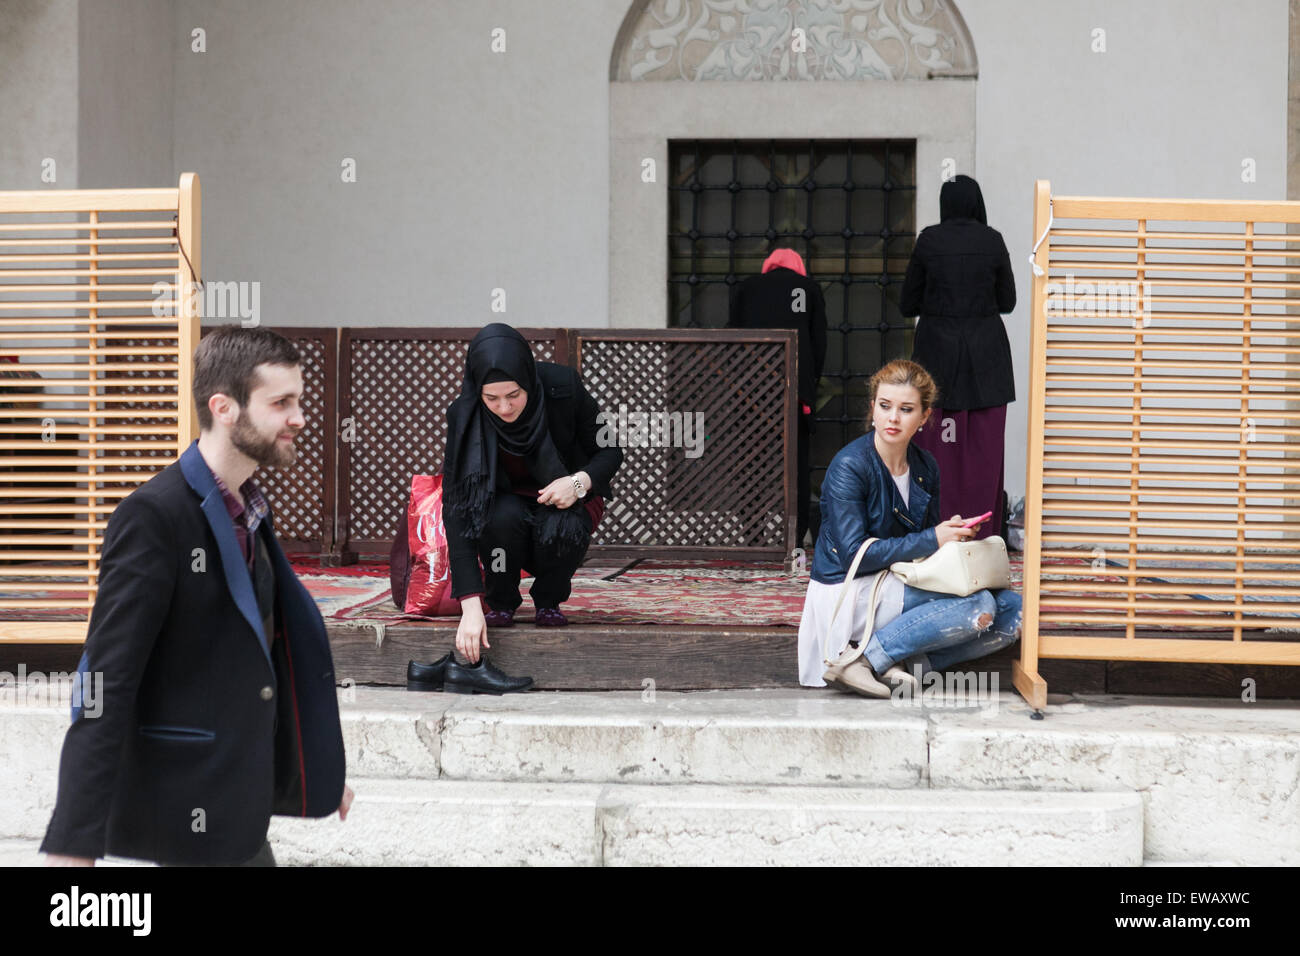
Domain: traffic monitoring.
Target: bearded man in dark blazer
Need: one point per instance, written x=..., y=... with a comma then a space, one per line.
x=219, y=706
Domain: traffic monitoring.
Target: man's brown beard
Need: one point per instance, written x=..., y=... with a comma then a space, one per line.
x=267, y=454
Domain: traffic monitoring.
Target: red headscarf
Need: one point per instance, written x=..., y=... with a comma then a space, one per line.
x=785, y=259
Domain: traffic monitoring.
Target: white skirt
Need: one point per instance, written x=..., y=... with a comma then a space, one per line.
x=821, y=640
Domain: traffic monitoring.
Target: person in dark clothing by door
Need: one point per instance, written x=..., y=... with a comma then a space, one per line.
x=783, y=297
x=959, y=282
x=525, y=479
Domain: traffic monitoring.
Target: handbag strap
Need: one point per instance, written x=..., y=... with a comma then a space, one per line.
x=844, y=590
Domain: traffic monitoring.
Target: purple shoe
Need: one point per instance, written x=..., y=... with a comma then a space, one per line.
x=550, y=617
x=499, y=618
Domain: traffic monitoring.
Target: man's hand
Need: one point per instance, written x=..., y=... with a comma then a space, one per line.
x=347, y=802
x=56, y=859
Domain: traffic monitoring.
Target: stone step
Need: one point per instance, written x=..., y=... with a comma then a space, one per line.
x=453, y=822
x=20, y=853
x=27, y=853
x=1218, y=781
x=720, y=737
x=471, y=823
x=30, y=745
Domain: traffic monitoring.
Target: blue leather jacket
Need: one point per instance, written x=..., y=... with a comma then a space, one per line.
x=859, y=500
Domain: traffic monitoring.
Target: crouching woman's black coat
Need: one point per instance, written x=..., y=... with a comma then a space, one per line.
x=571, y=415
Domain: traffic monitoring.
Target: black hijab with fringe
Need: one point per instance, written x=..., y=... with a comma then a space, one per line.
x=474, y=433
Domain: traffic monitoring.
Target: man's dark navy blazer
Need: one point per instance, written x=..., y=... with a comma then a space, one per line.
x=205, y=728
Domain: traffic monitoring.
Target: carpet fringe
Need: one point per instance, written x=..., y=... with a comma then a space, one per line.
x=377, y=626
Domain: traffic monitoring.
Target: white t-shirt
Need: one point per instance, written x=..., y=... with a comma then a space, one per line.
x=891, y=590
x=817, y=626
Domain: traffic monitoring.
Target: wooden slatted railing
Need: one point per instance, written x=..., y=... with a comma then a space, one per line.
x=97, y=336
x=1160, y=511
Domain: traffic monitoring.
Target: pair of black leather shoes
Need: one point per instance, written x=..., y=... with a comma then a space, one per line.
x=447, y=675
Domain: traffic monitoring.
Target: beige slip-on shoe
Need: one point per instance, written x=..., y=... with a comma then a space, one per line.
x=850, y=672
x=898, y=675
x=846, y=660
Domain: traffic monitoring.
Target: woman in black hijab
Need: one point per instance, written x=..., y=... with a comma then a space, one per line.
x=959, y=281
x=524, y=483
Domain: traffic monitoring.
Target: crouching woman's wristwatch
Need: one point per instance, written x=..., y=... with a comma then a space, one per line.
x=577, y=484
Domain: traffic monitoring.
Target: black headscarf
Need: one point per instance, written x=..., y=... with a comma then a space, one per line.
x=960, y=198
x=474, y=433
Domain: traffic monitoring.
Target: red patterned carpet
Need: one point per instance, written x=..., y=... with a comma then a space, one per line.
x=725, y=593
x=648, y=592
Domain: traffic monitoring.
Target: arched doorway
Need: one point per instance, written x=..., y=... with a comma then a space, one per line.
x=826, y=127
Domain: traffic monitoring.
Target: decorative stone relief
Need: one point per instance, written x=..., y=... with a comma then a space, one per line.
x=792, y=40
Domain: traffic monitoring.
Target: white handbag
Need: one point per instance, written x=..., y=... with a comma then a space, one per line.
x=959, y=568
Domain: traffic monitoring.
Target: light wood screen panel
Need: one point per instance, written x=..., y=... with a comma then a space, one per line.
x=96, y=351
x=1161, y=505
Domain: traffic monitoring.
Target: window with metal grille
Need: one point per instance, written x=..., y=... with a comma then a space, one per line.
x=847, y=206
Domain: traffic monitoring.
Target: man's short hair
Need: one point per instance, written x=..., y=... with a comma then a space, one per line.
x=226, y=361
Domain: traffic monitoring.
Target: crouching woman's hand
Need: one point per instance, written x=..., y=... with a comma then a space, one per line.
x=472, y=632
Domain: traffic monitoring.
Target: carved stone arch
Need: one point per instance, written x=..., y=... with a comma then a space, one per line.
x=700, y=40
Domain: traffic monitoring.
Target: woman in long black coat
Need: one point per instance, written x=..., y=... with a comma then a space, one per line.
x=959, y=282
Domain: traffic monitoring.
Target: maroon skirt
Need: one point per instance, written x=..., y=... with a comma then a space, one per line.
x=971, y=462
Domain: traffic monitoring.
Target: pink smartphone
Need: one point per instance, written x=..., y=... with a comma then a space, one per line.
x=974, y=521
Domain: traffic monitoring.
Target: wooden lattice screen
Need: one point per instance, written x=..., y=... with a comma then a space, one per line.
x=374, y=402
x=1162, y=470
x=96, y=348
x=302, y=495
x=737, y=497
x=395, y=386
x=733, y=499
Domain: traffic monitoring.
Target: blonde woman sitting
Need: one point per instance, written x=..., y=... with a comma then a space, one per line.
x=883, y=486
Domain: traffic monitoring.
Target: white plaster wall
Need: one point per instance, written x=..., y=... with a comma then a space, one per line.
x=479, y=171
x=475, y=170
x=1185, y=90
x=38, y=92
x=125, y=94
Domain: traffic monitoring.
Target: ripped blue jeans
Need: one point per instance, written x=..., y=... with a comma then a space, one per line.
x=940, y=630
